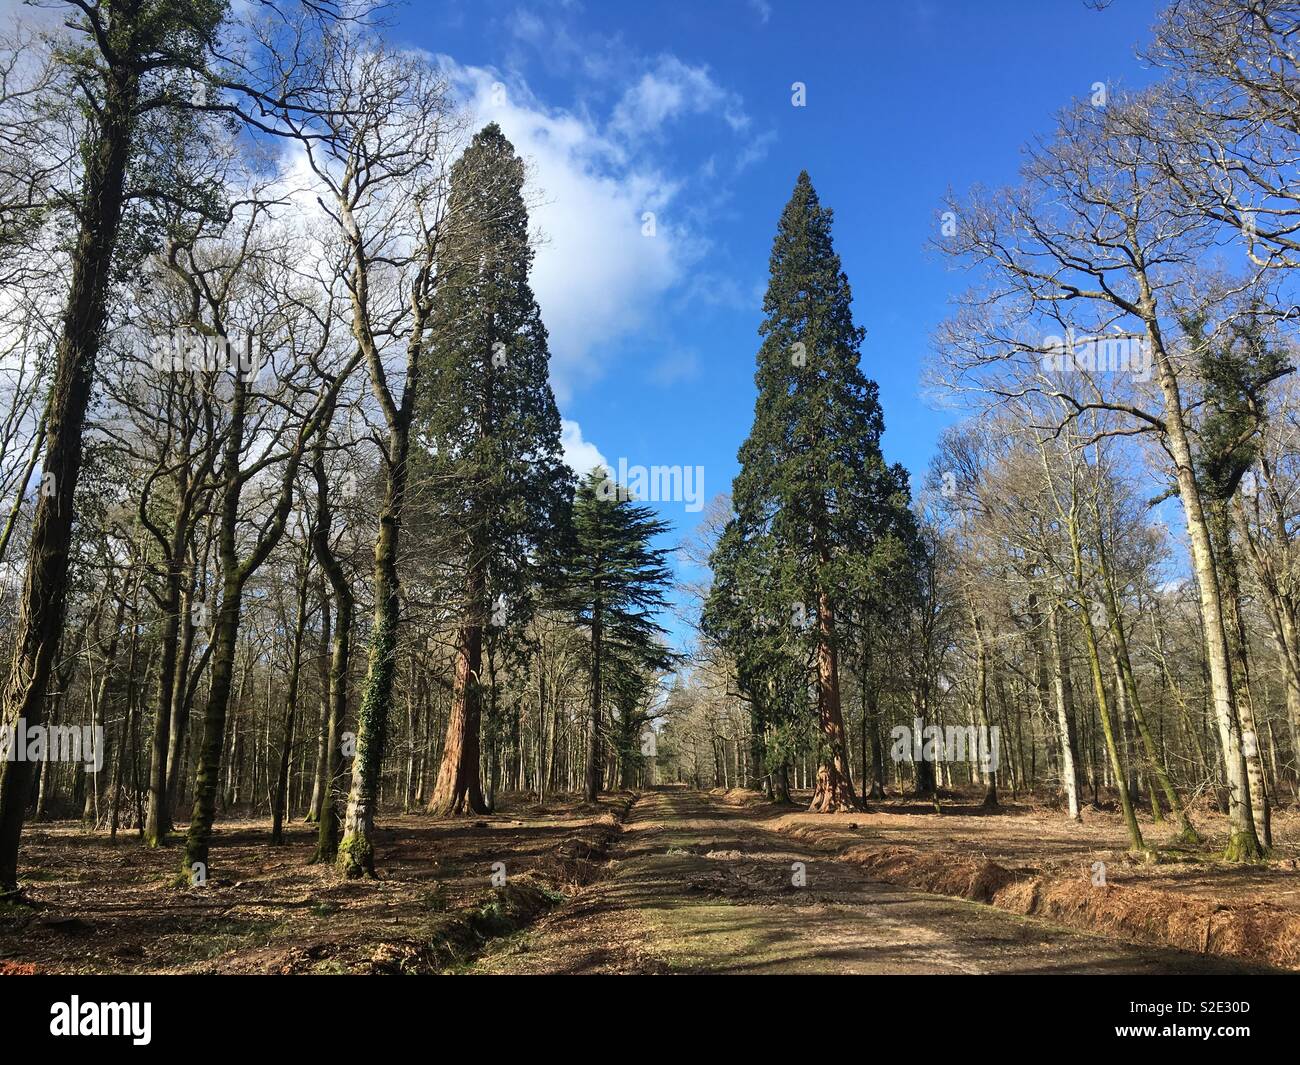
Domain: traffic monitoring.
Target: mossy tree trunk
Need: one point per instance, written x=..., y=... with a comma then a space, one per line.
x=1128, y=685
x=356, y=853
x=1243, y=843
x=41, y=611
x=235, y=573
x=329, y=820
x=1084, y=616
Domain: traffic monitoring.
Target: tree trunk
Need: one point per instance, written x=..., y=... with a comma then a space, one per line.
x=458, y=790
x=833, y=792
x=328, y=830
x=781, y=784
x=356, y=854
x=39, y=625
x=208, y=775
x=158, y=819
x=322, y=741
x=1128, y=686
x=989, y=774
x=594, y=755
x=1065, y=722
x=181, y=701
x=99, y=703
x=286, y=739
x=1243, y=842
x=1225, y=555
x=234, y=575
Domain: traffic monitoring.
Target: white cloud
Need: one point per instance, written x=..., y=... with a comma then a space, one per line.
x=528, y=26
x=581, y=455
x=711, y=289
x=668, y=91
x=755, y=151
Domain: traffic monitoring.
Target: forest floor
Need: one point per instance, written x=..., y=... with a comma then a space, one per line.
x=1025, y=836
x=100, y=907
x=669, y=880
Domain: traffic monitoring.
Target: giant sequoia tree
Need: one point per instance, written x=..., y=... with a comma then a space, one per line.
x=813, y=486
x=499, y=488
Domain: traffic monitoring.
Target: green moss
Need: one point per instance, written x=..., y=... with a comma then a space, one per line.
x=356, y=856
x=499, y=916
x=1242, y=848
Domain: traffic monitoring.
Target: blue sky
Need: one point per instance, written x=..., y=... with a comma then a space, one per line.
x=684, y=109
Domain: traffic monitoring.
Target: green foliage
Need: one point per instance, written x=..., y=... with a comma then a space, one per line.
x=176, y=167
x=1236, y=367
x=614, y=578
x=818, y=512
x=498, y=490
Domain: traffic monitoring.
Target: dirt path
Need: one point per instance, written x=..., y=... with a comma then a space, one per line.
x=698, y=885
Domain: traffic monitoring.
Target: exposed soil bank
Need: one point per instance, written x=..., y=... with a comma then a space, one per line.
x=1186, y=902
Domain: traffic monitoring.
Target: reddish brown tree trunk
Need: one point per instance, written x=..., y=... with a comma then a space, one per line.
x=834, y=788
x=458, y=790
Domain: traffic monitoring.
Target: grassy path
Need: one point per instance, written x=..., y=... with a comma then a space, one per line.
x=698, y=885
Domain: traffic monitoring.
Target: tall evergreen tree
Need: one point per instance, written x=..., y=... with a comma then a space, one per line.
x=615, y=585
x=500, y=488
x=814, y=495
